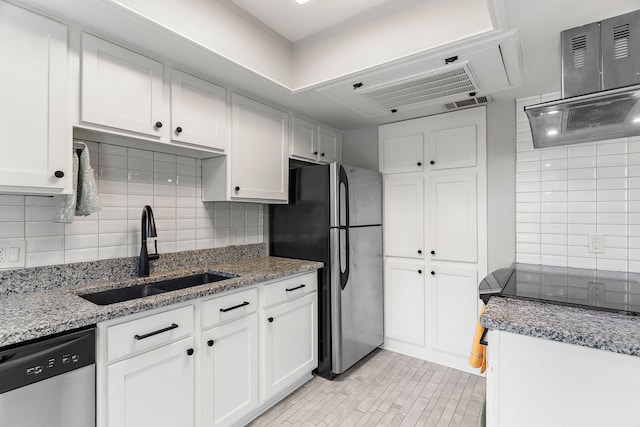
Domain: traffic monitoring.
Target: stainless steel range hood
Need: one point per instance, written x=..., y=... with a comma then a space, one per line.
x=601, y=55
x=604, y=115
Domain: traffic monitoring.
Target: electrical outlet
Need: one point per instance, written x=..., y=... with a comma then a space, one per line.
x=596, y=243
x=596, y=292
x=12, y=253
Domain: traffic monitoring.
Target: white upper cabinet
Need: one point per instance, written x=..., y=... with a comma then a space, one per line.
x=328, y=145
x=403, y=216
x=198, y=112
x=304, y=139
x=36, y=129
x=314, y=142
x=452, y=217
x=121, y=89
x=452, y=148
x=402, y=154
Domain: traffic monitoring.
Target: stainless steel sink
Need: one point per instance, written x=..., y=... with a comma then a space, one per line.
x=113, y=296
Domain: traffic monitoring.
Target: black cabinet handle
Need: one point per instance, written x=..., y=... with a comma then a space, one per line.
x=297, y=287
x=178, y=129
x=158, y=125
x=315, y=153
x=58, y=174
x=159, y=331
x=224, y=310
x=270, y=319
x=237, y=188
x=322, y=154
x=419, y=163
x=433, y=252
x=210, y=343
x=432, y=162
x=420, y=251
x=190, y=352
x=433, y=273
x=419, y=271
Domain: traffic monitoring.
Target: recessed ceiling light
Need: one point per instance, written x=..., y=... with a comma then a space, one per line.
x=552, y=132
x=301, y=2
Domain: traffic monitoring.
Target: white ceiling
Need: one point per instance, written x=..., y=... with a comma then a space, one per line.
x=295, y=22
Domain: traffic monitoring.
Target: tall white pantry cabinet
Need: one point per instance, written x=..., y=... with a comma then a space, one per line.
x=435, y=233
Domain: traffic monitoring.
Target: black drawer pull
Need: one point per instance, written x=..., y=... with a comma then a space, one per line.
x=297, y=287
x=270, y=319
x=159, y=331
x=210, y=343
x=224, y=310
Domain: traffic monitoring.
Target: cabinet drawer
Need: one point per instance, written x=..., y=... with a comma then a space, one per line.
x=288, y=289
x=229, y=307
x=148, y=332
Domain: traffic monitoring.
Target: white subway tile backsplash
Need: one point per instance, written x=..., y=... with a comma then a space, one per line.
x=581, y=189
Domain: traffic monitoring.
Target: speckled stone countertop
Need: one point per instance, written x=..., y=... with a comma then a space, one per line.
x=48, y=310
x=619, y=333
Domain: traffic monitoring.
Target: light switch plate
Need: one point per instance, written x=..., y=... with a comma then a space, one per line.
x=12, y=253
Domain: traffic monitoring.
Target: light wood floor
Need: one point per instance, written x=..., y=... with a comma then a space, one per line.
x=384, y=389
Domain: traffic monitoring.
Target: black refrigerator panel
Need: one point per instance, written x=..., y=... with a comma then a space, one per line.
x=300, y=230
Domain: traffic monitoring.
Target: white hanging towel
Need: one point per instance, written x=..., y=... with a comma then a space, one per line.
x=66, y=203
x=84, y=199
x=87, y=201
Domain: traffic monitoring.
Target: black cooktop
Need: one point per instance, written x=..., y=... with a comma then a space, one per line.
x=595, y=292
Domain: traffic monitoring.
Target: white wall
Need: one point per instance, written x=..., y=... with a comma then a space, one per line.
x=360, y=147
x=395, y=30
x=566, y=193
x=127, y=180
x=224, y=28
x=501, y=166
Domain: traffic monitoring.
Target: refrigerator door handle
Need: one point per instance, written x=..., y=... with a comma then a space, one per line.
x=343, y=185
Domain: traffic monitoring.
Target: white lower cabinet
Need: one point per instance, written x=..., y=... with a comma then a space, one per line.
x=289, y=344
x=230, y=372
x=404, y=308
x=201, y=363
x=153, y=389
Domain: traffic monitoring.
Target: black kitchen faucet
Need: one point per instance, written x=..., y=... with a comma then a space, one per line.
x=148, y=230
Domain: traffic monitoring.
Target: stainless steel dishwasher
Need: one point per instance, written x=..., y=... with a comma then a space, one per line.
x=50, y=382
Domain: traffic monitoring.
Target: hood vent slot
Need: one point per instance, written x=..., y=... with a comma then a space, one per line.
x=445, y=82
x=621, y=41
x=579, y=51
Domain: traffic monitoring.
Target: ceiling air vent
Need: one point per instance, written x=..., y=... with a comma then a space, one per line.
x=469, y=102
x=445, y=82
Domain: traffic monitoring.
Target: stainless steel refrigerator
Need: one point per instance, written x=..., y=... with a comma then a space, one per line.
x=334, y=215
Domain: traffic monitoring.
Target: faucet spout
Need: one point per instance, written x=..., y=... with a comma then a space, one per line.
x=148, y=229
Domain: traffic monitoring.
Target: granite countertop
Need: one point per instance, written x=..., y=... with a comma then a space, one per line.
x=619, y=333
x=46, y=311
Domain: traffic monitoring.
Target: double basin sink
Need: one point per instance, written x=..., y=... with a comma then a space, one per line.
x=113, y=296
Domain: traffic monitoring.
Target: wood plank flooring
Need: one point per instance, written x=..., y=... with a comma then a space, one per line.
x=384, y=389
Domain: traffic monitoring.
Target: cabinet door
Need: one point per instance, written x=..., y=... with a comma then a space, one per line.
x=328, y=145
x=404, y=302
x=33, y=105
x=403, y=217
x=453, y=223
x=259, y=153
x=452, y=148
x=120, y=89
x=198, y=112
x=403, y=154
x=304, y=139
x=153, y=389
x=453, y=309
x=290, y=344
x=230, y=372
